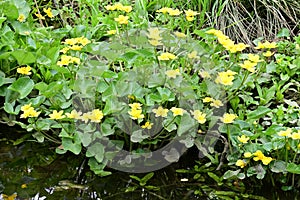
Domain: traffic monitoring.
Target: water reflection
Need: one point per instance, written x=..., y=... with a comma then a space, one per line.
x=33, y=170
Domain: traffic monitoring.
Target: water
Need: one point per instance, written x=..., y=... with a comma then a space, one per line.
x=32, y=169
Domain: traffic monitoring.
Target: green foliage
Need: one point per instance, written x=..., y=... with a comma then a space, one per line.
x=95, y=83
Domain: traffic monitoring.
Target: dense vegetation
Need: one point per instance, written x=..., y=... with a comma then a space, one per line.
x=133, y=85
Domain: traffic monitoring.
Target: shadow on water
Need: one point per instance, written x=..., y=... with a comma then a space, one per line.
x=33, y=169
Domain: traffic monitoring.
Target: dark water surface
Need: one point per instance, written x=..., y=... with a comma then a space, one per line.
x=32, y=169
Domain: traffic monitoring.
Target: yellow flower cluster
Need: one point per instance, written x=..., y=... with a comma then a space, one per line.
x=228, y=118
x=136, y=111
x=119, y=7
x=172, y=73
x=167, y=56
x=226, y=42
x=258, y=155
x=95, y=115
x=154, y=36
x=75, y=44
x=189, y=14
x=111, y=32
x=179, y=34
x=204, y=74
x=266, y=45
x=48, y=13
x=121, y=19
x=24, y=70
x=28, y=111
x=250, y=64
x=225, y=78
x=170, y=11
x=213, y=102
x=290, y=134
x=160, y=112
x=193, y=55
x=199, y=116
x=66, y=60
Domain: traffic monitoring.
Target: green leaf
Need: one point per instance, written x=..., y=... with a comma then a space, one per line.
x=137, y=136
x=96, y=150
x=231, y=174
x=278, y=166
x=187, y=124
x=258, y=113
x=72, y=145
x=23, y=86
x=283, y=33
x=24, y=57
x=293, y=168
x=146, y=178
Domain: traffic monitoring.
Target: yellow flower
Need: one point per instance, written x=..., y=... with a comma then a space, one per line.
x=75, y=60
x=216, y=103
x=155, y=42
x=258, y=155
x=180, y=35
x=225, y=78
x=11, y=197
x=96, y=115
x=21, y=18
x=172, y=73
x=250, y=66
x=65, y=50
x=238, y=47
x=70, y=41
x=207, y=99
x=241, y=163
x=167, y=56
x=160, y=112
x=147, y=125
x=286, y=133
x=74, y=114
x=199, y=116
x=266, y=45
x=82, y=40
x=23, y=186
x=266, y=160
x=193, y=55
x=175, y=12
x=136, y=114
x=204, y=74
x=56, y=115
x=268, y=53
x=48, y=12
x=154, y=33
x=121, y=19
x=111, y=32
x=136, y=106
x=247, y=154
x=243, y=139
x=39, y=16
x=29, y=111
x=296, y=135
x=86, y=117
x=24, y=70
x=228, y=118
x=126, y=9
x=76, y=48
x=164, y=10
x=254, y=58
x=177, y=111
x=110, y=7
x=190, y=15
